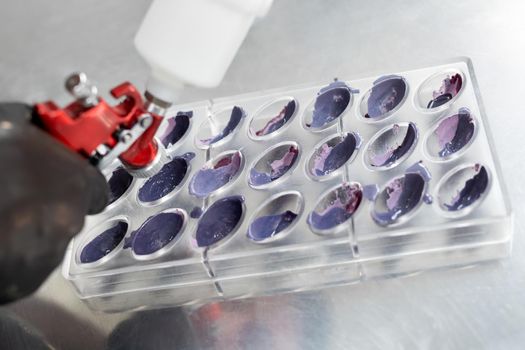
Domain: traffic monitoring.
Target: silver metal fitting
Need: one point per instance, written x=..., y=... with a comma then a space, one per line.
x=82, y=89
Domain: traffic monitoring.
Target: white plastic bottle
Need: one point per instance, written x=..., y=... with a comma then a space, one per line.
x=193, y=41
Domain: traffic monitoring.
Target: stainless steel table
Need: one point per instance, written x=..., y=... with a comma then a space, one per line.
x=299, y=42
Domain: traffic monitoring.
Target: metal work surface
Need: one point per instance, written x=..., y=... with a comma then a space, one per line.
x=300, y=41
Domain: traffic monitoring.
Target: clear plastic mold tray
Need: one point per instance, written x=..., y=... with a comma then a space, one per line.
x=301, y=188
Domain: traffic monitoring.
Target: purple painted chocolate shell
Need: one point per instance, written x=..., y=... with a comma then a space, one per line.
x=219, y=220
x=104, y=243
x=156, y=233
x=451, y=134
x=392, y=145
x=176, y=128
x=336, y=207
x=333, y=154
x=274, y=164
x=216, y=174
x=118, y=183
x=384, y=97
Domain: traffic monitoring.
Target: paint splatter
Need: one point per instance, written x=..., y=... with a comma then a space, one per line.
x=268, y=226
x=450, y=87
x=219, y=220
x=235, y=118
x=210, y=178
x=104, y=243
x=386, y=94
x=279, y=120
x=347, y=199
x=278, y=167
x=328, y=158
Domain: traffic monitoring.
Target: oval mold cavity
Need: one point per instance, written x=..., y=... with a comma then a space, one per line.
x=440, y=89
x=216, y=174
x=276, y=162
x=176, y=128
x=399, y=197
x=330, y=103
x=275, y=217
x=385, y=96
x=219, y=220
x=219, y=126
x=462, y=188
x=165, y=181
x=272, y=117
x=451, y=134
x=336, y=207
x=118, y=183
x=332, y=154
x=391, y=146
x=156, y=232
x=104, y=243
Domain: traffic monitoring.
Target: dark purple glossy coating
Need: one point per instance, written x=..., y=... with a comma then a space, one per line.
x=330, y=103
x=165, y=181
x=395, y=153
x=235, y=118
x=268, y=226
x=279, y=120
x=403, y=195
x=119, y=183
x=156, y=232
x=386, y=94
x=455, y=132
x=449, y=88
x=339, y=211
x=176, y=128
x=207, y=180
x=104, y=243
x=219, y=220
x=472, y=191
x=279, y=168
x=330, y=159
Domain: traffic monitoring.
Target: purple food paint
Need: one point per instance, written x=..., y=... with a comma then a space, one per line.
x=454, y=132
x=392, y=153
x=278, y=168
x=209, y=179
x=330, y=103
x=104, y=243
x=450, y=87
x=235, y=118
x=268, y=226
x=348, y=199
x=166, y=180
x=279, y=120
x=401, y=195
x=471, y=191
x=119, y=183
x=177, y=127
x=385, y=95
x=330, y=158
x=155, y=233
x=219, y=220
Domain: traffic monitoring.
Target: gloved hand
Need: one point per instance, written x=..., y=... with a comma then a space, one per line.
x=46, y=191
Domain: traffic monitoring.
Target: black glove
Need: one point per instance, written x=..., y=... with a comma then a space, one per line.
x=46, y=191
